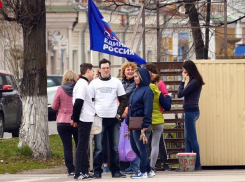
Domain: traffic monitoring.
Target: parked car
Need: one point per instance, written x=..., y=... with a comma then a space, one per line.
x=10, y=105
x=53, y=82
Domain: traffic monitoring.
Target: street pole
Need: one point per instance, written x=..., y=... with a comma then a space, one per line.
x=158, y=34
x=143, y=26
x=225, y=28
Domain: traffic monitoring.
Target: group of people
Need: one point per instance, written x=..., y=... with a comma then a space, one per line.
x=141, y=93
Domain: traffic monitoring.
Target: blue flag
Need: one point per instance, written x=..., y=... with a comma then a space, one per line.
x=104, y=40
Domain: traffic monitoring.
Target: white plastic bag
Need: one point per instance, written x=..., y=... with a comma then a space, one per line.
x=96, y=126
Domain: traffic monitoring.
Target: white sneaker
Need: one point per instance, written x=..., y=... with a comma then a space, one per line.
x=139, y=175
x=151, y=174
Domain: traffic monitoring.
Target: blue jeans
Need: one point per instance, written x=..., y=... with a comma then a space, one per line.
x=111, y=126
x=135, y=164
x=105, y=147
x=191, y=143
x=66, y=132
x=141, y=150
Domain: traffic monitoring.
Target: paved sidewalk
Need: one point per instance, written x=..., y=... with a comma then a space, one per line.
x=168, y=176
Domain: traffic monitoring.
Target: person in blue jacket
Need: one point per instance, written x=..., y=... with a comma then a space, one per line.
x=141, y=105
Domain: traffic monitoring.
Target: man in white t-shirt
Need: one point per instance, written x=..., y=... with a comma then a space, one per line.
x=107, y=91
x=83, y=117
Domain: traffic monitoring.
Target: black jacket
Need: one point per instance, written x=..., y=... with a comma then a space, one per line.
x=191, y=94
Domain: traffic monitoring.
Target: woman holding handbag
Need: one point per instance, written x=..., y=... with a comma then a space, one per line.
x=191, y=93
x=127, y=75
x=139, y=118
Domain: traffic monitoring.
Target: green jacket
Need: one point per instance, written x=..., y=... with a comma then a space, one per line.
x=157, y=117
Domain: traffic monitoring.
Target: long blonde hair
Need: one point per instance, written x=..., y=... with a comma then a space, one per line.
x=69, y=76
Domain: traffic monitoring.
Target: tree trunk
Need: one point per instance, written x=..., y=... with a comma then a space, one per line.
x=34, y=128
x=207, y=29
x=196, y=30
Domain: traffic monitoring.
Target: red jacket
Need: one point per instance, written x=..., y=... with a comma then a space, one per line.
x=162, y=87
x=63, y=103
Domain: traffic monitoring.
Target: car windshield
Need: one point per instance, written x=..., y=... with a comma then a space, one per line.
x=59, y=80
x=50, y=83
x=53, y=81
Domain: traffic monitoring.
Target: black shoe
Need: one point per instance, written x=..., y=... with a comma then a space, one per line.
x=88, y=176
x=118, y=175
x=76, y=176
x=96, y=176
x=83, y=177
x=166, y=167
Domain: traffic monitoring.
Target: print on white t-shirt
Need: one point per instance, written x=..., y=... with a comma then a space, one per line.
x=105, y=94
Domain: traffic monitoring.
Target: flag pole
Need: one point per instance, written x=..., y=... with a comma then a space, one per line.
x=91, y=136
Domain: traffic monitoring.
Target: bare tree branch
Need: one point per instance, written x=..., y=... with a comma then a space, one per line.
x=221, y=24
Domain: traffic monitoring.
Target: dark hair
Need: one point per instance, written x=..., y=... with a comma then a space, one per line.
x=151, y=67
x=154, y=78
x=103, y=61
x=84, y=67
x=193, y=72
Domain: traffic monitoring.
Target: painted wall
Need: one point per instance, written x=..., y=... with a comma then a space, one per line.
x=221, y=126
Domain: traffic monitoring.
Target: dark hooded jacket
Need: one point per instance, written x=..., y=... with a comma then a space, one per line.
x=68, y=88
x=141, y=100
